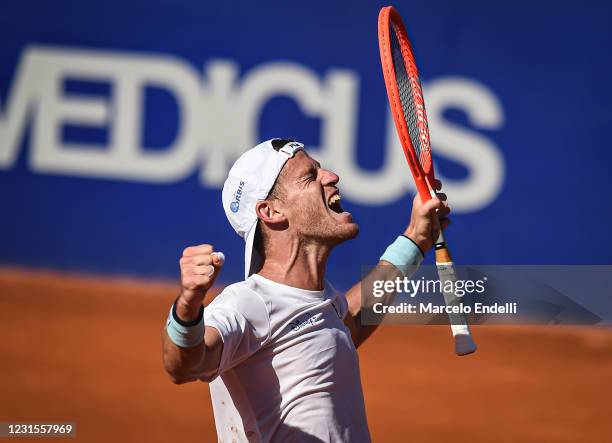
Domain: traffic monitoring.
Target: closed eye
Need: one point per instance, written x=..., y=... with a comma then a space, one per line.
x=310, y=176
x=308, y=179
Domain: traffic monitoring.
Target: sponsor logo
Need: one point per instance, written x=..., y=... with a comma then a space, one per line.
x=301, y=322
x=235, y=205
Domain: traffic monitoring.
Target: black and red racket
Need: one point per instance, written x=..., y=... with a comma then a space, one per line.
x=408, y=108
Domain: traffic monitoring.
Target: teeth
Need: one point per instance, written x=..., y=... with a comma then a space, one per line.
x=334, y=199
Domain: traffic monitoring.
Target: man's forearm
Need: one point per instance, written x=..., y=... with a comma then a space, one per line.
x=382, y=271
x=183, y=364
x=402, y=258
x=183, y=340
x=190, y=350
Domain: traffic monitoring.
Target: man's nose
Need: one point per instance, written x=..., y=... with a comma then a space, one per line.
x=328, y=177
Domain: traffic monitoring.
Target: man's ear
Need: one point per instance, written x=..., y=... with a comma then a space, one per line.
x=270, y=213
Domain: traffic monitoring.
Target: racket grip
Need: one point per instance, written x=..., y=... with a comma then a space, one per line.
x=464, y=344
x=441, y=251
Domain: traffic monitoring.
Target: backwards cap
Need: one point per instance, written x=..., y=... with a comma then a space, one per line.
x=250, y=180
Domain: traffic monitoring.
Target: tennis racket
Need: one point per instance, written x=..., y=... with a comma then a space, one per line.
x=408, y=108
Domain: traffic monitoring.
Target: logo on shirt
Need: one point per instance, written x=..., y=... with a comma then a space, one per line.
x=300, y=322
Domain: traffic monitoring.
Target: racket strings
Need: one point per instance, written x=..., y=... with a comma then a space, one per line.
x=411, y=98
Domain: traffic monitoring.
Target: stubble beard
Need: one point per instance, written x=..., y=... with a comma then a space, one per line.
x=322, y=228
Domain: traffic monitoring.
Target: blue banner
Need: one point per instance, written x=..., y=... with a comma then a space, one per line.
x=120, y=120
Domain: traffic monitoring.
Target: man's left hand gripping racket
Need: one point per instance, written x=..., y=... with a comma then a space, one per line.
x=408, y=109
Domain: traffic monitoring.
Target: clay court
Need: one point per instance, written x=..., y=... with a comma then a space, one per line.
x=87, y=350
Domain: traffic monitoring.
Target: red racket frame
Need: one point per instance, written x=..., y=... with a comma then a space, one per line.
x=423, y=175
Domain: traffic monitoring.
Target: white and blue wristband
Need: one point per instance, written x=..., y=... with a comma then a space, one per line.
x=185, y=334
x=404, y=254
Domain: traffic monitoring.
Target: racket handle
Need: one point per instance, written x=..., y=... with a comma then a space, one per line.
x=464, y=344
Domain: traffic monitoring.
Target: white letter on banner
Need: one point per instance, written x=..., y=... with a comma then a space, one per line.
x=475, y=152
x=124, y=158
x=28, y=83
x=223, y=140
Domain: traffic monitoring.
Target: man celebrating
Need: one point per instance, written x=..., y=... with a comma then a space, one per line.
x=279, y=348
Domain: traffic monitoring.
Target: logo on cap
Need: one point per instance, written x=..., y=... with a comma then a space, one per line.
x=235, y=205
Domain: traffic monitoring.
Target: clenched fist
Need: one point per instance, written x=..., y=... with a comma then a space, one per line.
x=200, y=266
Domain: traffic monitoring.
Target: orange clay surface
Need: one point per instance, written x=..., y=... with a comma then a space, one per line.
x=87, y=350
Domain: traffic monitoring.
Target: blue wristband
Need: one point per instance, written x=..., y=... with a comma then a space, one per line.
x=404, y=254
x=185, y=334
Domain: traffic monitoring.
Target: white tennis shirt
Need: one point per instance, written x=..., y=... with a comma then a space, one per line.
x=289, y=370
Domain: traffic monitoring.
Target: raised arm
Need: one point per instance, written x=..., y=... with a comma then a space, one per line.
x=198, y=354
x=421, y=232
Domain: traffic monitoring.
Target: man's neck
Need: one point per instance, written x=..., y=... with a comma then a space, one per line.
x=296, y=264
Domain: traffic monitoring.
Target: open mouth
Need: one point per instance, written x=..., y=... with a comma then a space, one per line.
x=334, y=204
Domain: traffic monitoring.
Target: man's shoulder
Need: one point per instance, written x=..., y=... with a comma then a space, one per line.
x=239, y=298
x=333, y=293
x=338, y=299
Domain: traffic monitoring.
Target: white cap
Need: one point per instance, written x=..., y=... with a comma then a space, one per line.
x=249, y=181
